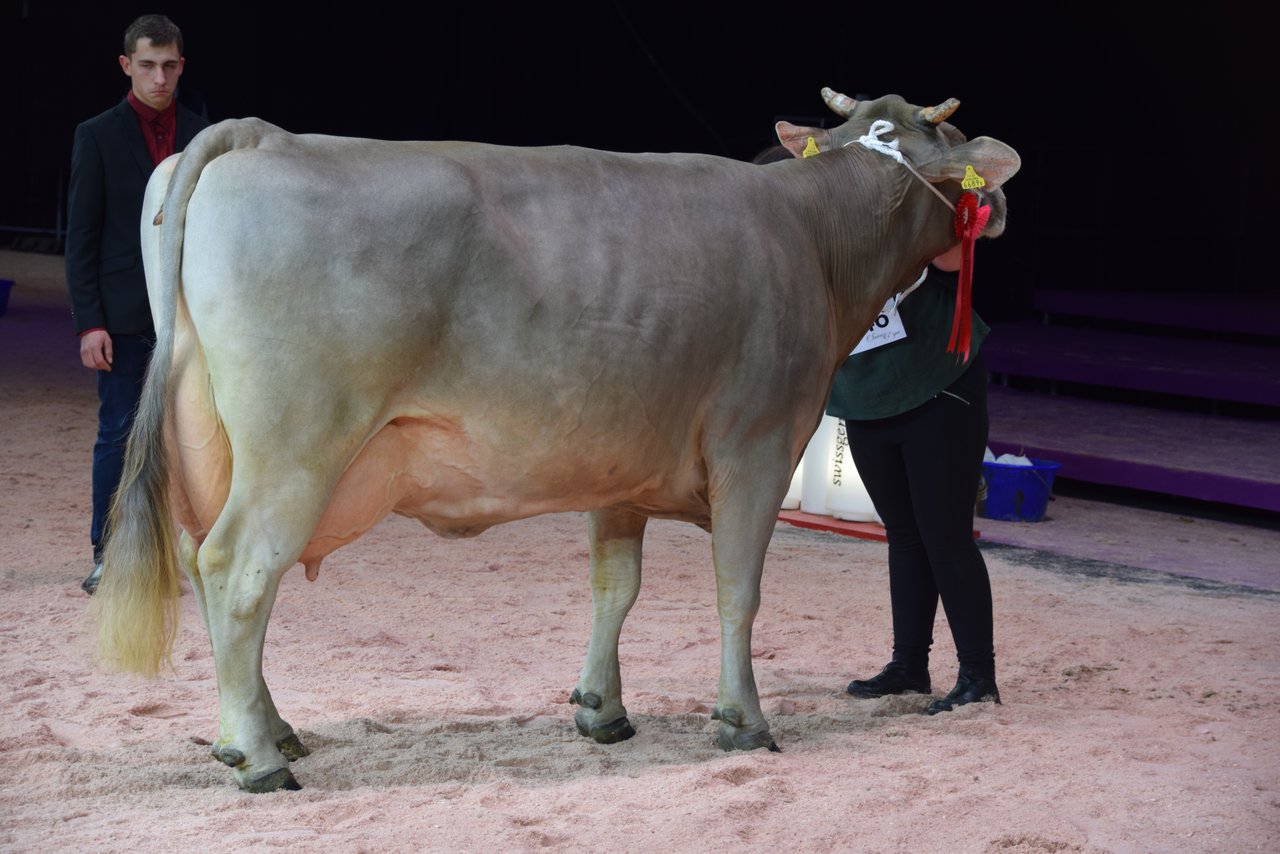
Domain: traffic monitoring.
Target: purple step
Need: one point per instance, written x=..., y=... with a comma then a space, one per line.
x=1214, y=370
x=1249, y=314
x=1206, y=457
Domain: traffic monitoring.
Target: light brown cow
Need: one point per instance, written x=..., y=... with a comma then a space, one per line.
x=469, y=334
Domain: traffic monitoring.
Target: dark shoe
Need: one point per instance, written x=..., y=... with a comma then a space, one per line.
x=90, y=584
x=895, y=678
x=970, y=688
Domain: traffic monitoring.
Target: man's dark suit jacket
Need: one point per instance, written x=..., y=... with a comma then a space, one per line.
x=109, y=171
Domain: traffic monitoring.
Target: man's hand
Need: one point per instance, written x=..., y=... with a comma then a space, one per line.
x=95, y=350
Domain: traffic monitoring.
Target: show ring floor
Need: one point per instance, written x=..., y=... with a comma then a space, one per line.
x=1217, y=545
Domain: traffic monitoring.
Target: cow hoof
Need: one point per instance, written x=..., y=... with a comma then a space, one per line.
x=281, y=779
x=228, y=756
x=611, y=733
x=731, y=739
x=590, y=699
x=731, y=735
x=292, y=748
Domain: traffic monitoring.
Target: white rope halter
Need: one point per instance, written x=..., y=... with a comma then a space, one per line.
x=889, y=148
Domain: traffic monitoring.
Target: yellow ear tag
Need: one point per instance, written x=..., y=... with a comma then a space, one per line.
x=811, y=148
x=972, y=180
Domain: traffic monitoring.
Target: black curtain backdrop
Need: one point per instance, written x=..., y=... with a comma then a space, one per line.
x=1146, y=137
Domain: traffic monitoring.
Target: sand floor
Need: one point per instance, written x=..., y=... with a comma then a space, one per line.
x=430, y=680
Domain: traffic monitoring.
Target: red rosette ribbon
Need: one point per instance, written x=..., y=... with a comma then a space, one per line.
x=969, y=222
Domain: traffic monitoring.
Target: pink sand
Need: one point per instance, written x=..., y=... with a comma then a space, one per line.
x=430, y=680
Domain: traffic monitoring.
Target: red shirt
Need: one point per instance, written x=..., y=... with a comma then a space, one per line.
x=159, y=127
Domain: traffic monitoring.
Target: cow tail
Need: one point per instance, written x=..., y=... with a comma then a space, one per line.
x=137, y=598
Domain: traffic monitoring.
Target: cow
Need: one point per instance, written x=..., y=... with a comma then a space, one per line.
x=469, y=334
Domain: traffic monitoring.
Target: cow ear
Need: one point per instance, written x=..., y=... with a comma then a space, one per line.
x=990, y=158
x=796, y=139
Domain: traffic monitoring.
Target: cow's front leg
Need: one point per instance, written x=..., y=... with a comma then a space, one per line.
x=742, y=524
x=617, y=539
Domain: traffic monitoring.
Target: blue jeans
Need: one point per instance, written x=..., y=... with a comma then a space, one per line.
x=118, y=392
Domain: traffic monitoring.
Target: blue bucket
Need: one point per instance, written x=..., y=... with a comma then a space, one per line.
x=1016, y=493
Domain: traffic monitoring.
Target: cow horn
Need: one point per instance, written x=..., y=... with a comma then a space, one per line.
x=841, y=105
x=935, y=115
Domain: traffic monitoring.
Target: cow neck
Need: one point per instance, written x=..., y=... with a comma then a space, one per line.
x=969, y=220
x=867, y=258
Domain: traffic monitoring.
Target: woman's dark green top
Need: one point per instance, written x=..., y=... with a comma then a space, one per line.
x=900, y=376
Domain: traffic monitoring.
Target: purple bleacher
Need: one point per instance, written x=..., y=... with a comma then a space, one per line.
x=1145, y=344
x=1249, y=314
x=1213, y=370
x=1206, y=457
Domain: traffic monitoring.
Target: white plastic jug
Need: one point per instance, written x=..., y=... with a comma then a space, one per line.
x=792, y=500
x=847, y=497
x=816, y=463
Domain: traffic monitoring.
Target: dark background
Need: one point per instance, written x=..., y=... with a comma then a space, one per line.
x=1147, y=138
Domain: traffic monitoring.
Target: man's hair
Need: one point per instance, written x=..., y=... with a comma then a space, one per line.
x=158, y=28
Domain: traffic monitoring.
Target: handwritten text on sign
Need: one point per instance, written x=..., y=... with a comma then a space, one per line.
x=886, y=329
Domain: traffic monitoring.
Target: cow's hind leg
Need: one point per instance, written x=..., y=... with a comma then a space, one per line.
x=287, y=741
x=617, y=538
x=240, y=565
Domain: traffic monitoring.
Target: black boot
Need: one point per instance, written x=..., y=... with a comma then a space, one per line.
x=971, y=687
x=895, y=678
x=90, y=584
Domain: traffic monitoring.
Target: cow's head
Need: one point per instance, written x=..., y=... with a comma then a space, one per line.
x=935, y=148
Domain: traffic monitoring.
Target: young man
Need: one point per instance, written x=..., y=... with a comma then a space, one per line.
x=111, y=159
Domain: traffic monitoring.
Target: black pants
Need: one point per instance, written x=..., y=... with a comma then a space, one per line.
x=922, y=469
x=119, y=390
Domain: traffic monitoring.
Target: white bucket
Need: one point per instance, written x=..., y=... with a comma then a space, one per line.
x=816, y=463
x=847, y=498
x=792, y=501
x=826, y=482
